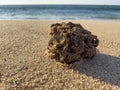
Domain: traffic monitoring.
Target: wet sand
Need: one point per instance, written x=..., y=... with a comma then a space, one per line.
x=23, y=66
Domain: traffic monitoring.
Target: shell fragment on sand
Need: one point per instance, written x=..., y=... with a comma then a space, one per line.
x=70, y=42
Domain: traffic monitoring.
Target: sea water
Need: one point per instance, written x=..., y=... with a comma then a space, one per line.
x=59, y=12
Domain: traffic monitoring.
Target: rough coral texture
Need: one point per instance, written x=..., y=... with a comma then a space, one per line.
x=71, y=42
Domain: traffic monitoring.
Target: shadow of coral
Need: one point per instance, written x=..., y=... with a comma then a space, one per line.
x=103, y=67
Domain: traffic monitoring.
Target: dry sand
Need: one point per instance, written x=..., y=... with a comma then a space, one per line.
x=23, y=66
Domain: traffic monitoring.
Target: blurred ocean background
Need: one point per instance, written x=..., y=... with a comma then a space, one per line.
x=59, y=12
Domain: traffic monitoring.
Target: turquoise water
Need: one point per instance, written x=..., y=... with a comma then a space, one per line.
x=59, y=12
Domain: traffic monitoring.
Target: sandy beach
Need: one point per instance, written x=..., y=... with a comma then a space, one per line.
x=23, y=66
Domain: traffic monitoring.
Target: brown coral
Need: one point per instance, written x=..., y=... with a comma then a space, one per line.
x=71, y=42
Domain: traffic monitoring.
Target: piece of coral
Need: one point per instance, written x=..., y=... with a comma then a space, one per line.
x=71, y=42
